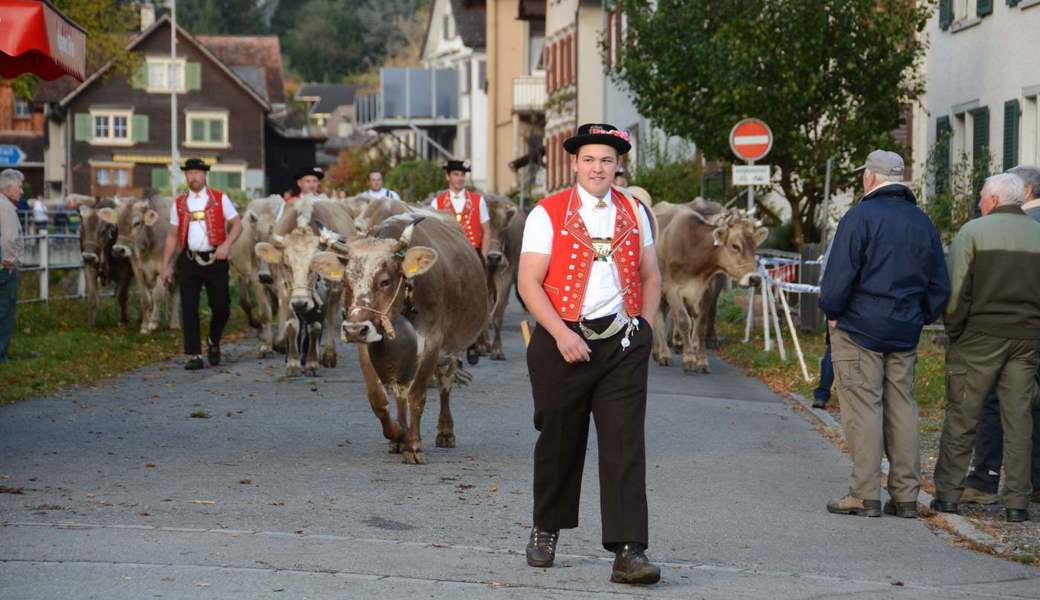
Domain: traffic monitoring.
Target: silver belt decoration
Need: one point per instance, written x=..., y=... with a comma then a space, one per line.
x=621, y=321
x=202, y=262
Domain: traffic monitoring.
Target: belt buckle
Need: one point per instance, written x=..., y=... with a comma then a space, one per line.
x=198, y=215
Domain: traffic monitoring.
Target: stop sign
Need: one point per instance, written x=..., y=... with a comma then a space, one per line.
x=751, y=139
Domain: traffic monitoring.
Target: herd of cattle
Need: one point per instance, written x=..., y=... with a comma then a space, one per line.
x=404, y=285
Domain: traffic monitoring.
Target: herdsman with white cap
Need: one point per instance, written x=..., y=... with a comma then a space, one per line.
x=588, y=274
x=200, y=242
x=885, y=280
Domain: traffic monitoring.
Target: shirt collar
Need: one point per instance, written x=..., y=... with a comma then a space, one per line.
x=203, y=193
x=590, y=201
x=1034, y=203
x=455, y=194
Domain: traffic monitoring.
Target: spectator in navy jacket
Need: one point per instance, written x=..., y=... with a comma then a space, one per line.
x=885, y=279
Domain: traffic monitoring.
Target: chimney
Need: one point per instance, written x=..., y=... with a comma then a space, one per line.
x=147, y=15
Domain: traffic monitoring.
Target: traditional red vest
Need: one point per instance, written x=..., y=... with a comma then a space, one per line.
x=572, y=254
x=215, y=226
x=469, y=218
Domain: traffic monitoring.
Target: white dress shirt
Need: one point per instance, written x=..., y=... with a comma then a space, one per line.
x=384, y=193
x=198, y=237
x=603, y=294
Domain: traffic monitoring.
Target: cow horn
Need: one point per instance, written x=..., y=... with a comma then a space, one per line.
x=406, y=235
x=279, y=240
x=715, y=235
x=328, y=236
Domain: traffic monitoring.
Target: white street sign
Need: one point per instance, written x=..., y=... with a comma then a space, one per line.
x=751, y=174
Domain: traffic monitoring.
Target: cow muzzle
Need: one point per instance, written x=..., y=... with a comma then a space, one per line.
x=301, y=305
x=360, y=332
x=495, y=258
x=750, y=280
x=90, y=258
x=121, y=251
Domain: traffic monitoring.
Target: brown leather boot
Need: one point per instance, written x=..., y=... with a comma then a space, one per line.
x=851, y=505
x=632, y=566
x=541, y=548
x=906, y=510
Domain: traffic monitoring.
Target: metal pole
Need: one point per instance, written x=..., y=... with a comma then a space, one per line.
x=175, y=160
x=750, y=323
x=826, y=204
x=45, y=262
x=751, y=195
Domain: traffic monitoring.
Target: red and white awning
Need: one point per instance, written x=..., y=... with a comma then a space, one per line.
x=36, y=38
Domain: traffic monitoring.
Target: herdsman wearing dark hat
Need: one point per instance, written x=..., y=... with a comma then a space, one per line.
x=308, y=182
x=468, y=208
x=588, y=274
x=200, y=241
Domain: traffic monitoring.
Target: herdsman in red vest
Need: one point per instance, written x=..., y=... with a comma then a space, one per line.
x=468, y=208
x=588, y=274
x=200, y=241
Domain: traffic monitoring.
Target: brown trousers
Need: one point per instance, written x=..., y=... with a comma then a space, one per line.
x=612, y=388
x=878, y=412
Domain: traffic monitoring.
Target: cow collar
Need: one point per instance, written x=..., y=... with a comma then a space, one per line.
x=575, y=225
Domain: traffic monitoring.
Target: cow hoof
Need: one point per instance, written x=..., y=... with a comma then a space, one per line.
x=279, y=347
x=689, y=366
x=311, y=371
x=328, y=359
x=264, y=351
x=395, y=447
x=293, y=371
x=498, y=355
x=664, y=361
x=413, y=457
x=445, y=440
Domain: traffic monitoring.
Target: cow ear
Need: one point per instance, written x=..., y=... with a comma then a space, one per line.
x=719, y=235
x=108, y=215
x=150, y=217
x=268, y=253
x=251, y=215
x=328, y=265
x=760, y=235
x=84, y=211
x=510, y=213
x=418, y=260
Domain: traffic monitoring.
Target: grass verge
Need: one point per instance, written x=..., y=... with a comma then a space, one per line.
x=53, y=348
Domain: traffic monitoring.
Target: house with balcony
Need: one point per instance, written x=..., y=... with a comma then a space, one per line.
x=439, y=110
x=516, y=96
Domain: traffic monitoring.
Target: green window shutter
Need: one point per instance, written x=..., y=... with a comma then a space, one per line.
x=945, y=14
x=139, y=129
x=161, y=179
x=984, y=7
x=84, y=131
x=943, y=132
x=140, y=79
x=217, y=179
x=1012, y=115
x=980, y=156
x=193, y=76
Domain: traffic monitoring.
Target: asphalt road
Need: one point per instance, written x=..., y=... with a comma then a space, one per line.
x=287, y=491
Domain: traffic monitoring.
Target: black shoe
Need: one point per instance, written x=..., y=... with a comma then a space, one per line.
x=820, y=404
x=541, y=549
x=906, y=510
x=1017, y=515
x=632, y=566
x=943, y=506
x=214, y=354
x=194, y=364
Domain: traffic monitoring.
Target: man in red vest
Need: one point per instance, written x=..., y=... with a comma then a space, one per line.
x=468, y=208
x=200, y=241
x=588, y=274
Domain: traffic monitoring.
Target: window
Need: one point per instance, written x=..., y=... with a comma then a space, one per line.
x=226, y=177
x=206, y=129
x=1030, y=129
x=159, y=74
x=21, y=109
x=111, y=128
x=448, y=26
x=112, y=175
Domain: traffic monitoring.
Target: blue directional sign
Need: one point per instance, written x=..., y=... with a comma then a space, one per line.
x=11, y=156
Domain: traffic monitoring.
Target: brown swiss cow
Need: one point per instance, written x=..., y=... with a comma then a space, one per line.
x=100, y=265
x=691, y=250
x=415, y=297
x=142, y=227
x=254, y=273
x=501, y=267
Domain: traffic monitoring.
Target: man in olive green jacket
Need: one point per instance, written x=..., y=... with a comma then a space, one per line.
x=993, y=322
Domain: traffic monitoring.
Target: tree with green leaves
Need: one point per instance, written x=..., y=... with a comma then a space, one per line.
x=238, y=17
x=830, y=77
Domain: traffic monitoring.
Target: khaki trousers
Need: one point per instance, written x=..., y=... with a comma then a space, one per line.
x=878, y=412
x=974, y=363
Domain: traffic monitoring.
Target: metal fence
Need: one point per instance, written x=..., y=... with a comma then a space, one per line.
x=45, y=253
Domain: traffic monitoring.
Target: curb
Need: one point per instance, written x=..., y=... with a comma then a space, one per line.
x=958, y=524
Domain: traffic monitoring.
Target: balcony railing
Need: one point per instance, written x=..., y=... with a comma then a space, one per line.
x=415, y=96
x=529, y=94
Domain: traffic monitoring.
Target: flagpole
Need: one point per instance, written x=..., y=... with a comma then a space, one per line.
x=174, y=156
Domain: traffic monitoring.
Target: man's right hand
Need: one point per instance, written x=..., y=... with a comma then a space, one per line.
x=573, y=347
x=167, y=276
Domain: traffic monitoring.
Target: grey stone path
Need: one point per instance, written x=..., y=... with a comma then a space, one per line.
x=287, y=491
